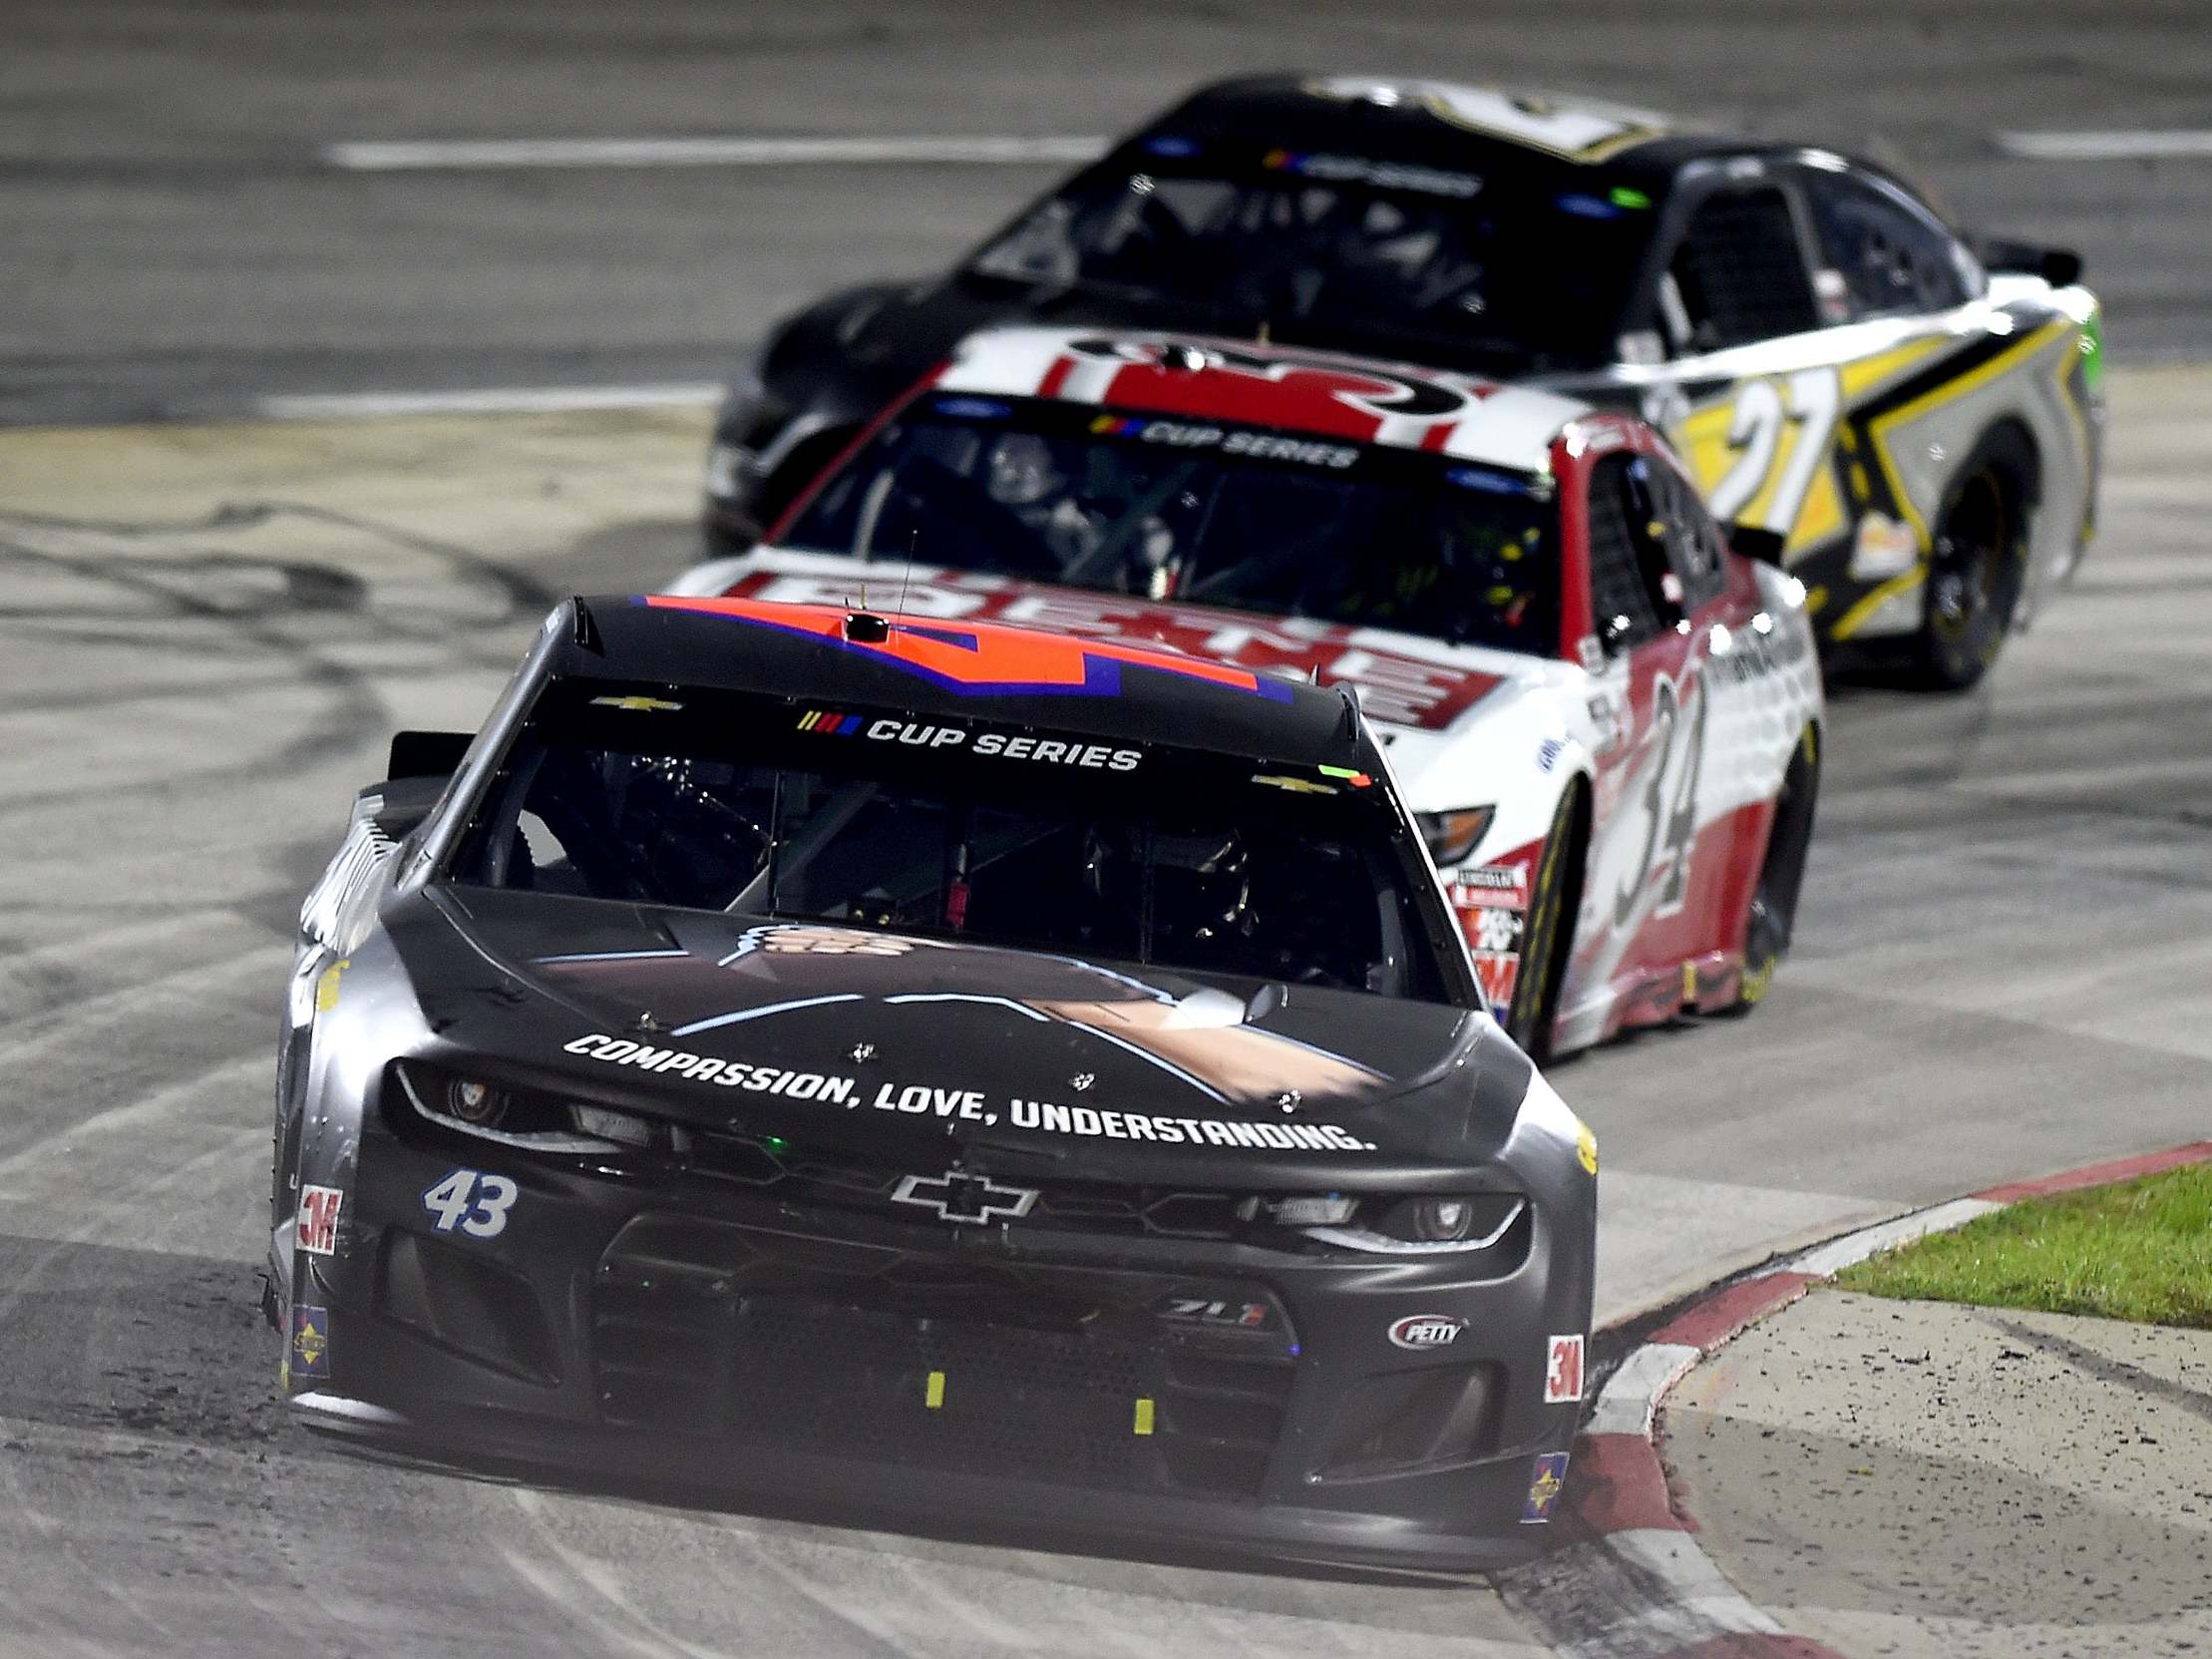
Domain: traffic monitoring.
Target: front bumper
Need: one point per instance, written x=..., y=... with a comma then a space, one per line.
x=1116, y=1386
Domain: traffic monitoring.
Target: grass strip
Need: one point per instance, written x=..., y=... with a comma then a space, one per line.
x=2142, y=1250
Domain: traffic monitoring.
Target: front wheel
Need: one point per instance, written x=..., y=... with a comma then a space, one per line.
x=1975, y=572
x=1781, y=875
x=1547, y=936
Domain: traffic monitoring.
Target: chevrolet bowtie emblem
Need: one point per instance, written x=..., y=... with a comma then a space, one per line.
x=958, y=1196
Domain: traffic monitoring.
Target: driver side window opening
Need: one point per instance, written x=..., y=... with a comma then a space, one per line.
x=1633, y=591
x=1739, y=274
x=1889, y=258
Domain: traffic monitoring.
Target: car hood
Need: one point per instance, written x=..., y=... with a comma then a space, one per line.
x=836, y=1032
x=1404, y=680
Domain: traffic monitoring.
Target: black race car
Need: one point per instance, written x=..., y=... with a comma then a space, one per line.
x=1918, y=419
x=947, y=1070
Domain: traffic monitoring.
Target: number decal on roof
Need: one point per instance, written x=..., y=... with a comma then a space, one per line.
x=1577, y=132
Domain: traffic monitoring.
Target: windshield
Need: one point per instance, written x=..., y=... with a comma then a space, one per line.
x=1018, y=837
x=1201, y=513
x=1536, y=266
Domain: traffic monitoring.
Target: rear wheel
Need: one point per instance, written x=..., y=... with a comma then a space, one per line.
x=1977, y=566
x=1781, y=875
x=1547, y=933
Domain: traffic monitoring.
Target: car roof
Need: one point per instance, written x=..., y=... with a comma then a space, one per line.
x=1288, y=389
x=1444, y=123
x=993, y=672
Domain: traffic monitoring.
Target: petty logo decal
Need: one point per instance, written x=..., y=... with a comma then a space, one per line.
x=1545, y=1481
x=310, y=1350
x=1419, y=1331
x=1563, y=1370
x=317, y=1232
x=472, y=1201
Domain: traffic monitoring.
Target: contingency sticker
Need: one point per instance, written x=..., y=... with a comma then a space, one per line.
x=317, y=1233
x=310, y=1350
x=1545, y=1478
x=1563, y=1370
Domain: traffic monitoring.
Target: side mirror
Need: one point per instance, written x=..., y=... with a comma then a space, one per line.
x=2060, y=266
x=427, y=754
x=1761, y=546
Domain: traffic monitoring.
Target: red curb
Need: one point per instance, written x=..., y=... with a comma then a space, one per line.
x=2102, y=1174
x=1621, y=1485
x=1711, y=1323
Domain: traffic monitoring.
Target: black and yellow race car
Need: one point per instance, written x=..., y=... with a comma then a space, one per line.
x=1916, y=415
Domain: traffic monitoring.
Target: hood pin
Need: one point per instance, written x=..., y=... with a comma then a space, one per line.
x=863, y=1052
x=646, y=1022
x=1083, y=1080
x=1289, y=1099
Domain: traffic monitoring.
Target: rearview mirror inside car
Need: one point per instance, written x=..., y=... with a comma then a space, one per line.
x=427, y=754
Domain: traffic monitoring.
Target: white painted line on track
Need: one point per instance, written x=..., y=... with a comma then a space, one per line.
x=434, y=154
x=2139, y=145
x=493, y=400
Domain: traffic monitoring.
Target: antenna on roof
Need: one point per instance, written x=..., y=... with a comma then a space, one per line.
x=1262, y=334
x=584, y=629
x=905, y=573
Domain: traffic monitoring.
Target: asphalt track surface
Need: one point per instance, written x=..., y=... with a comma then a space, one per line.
x=173, y=245
x=2002, y=966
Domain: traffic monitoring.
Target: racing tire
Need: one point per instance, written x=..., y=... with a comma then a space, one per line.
x=1977, y=566
x=1773, y=914
x=1546, y=943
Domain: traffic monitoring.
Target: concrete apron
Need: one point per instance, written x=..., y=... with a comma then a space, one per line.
x=1762, y=1476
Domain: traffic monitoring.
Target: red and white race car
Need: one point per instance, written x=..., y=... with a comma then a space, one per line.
x=1608, y=720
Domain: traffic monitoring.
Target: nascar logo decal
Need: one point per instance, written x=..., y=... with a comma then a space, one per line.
x=830, y=723
x=981, y=661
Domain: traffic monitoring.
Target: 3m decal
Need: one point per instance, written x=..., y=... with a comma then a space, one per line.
x=471, y=1201
x=1425, y=1330
x=317, y=1228
x=1563, y=1370
x=1547, y=1478
x=308, y=1355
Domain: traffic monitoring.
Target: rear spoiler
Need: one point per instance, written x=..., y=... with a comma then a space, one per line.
x=2060, y=266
